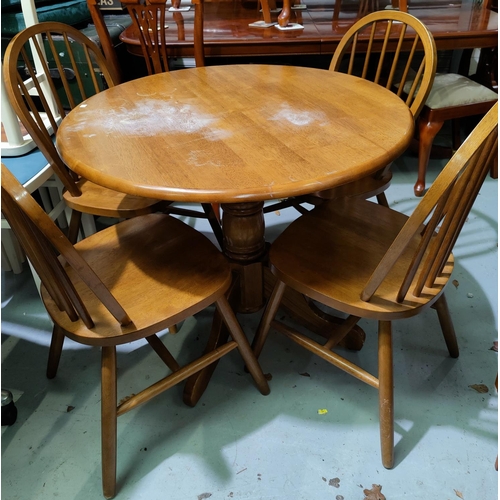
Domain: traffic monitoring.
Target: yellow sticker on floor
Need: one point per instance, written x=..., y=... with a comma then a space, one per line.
x=322, y=411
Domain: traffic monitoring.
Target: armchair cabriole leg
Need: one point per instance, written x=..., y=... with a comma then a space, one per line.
x=427, y=130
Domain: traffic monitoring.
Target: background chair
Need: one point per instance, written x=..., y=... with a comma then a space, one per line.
x=386, y=47
x=452, y=97
x=149, y=20
x=124, y=283
x=369, y=261
x=143, y=15
x=49, y=68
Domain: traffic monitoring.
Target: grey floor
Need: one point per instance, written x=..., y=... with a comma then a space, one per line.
x=239, y=444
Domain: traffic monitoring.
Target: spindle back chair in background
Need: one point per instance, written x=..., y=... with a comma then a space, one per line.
x=149, y=19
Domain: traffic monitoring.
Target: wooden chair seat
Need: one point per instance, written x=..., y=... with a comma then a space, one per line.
x=127, y=282
x=104, y=202
x=368, y=261
x=149, y=284
x=365, y=188
x=349, y=231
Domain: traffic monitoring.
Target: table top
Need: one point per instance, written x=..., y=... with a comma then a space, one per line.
x=235, y=133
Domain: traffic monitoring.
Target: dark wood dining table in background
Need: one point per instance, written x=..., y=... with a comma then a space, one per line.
x=461, y=24
x=237, y=135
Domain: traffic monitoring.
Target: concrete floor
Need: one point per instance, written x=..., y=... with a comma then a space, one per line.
x=237, y=444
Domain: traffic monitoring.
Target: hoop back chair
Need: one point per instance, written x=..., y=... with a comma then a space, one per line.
x=453, y=97
x=391, y=47
x=64, y=80
x=369, y=261
x=124, y=283
x=45, y=77
x=386, y=47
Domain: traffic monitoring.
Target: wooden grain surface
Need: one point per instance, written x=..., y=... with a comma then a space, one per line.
x=235, y=133
x=457, y=24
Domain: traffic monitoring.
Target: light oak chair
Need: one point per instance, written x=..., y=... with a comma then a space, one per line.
x=368, y=261
x=36, y=175
x=127, y=282
x=389, y=61
x=49, y=68
x=86, y=72
x=388, y=48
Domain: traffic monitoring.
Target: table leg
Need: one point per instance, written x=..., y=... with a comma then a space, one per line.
x=245, y=246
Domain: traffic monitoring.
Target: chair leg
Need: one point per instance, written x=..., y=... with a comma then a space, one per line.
x=108, y=420
x=456, y=136
x=74, y=226
x=447, y=327
x=56, y=345
x=494, y=168
x=386, y=393
x=214, y=221
x=427, y=131
x=246, y=352
x=216, y=209
x=382, y=200
x=268, y=316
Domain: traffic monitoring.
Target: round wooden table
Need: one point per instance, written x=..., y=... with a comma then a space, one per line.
x=236, y=135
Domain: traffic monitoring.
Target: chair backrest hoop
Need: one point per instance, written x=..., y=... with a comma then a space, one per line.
x=389, y=38
x=440, y=215
x=41, y=99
